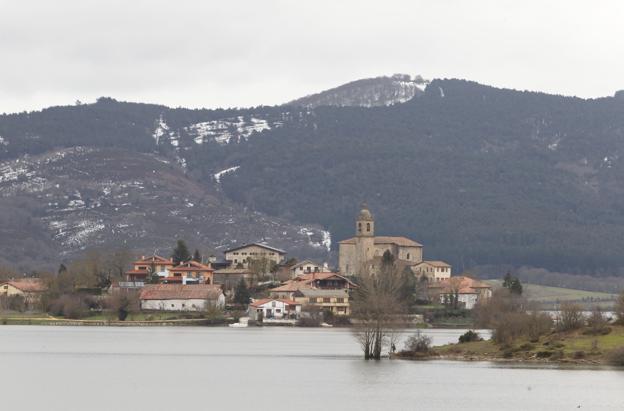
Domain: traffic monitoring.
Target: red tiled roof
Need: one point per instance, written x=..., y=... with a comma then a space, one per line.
x=291, y=286
x=461, y=284
x=400, y=241
x=154, y=259
x=263, y=301
x=191, y=266
x=180, y=292
x=137, y=272
x=28, y=285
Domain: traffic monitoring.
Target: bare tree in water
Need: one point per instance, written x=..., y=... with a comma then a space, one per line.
x=379, y=307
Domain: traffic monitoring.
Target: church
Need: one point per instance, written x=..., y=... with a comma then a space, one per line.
x=365, y=250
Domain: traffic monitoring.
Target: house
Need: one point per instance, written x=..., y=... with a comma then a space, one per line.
x=230, y=277
x=254, y=251
x=190, y=272
x=145, y=266
x=468, y=291
x=305, y=266
x=30, y=289
x=434, y=270
x=273, y=308
x=336, y=301
x=327, y=281
x=181, y=297
x=358, y=253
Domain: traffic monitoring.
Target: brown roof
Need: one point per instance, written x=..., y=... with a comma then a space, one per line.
x=309, y=277
x=263, y=301
x=137, y=272
x=28, y=285
x=400, y=241
x=153, y=259
x=233, y=271
x=291, y=286
x=436, y=263
x=180, y=292
x=261, y=245
x=191, y=266
x=461, y=284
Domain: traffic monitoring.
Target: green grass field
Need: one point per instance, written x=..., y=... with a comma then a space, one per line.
x=551, y=296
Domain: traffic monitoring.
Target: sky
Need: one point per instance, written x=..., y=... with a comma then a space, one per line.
x=235, y=53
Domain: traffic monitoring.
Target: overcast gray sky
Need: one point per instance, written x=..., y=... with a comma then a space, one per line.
x=241, y=53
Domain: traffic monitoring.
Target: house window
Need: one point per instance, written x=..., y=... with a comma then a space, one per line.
x=408, y=256
x=277, y=310
x=312, y=299
x=367, y=227
x=172, y=305
x=359, y=227
x=183, y=305
x=326, y=300
x=273, y=304
x=340, y=300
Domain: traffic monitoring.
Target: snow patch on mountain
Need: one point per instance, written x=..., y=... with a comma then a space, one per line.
x=217, y=176
x=323, y=242
x=224, y=131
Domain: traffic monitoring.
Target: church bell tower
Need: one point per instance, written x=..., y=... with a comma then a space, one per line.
x=364, y=238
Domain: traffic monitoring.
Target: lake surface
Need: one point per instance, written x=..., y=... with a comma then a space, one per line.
x=168, y=368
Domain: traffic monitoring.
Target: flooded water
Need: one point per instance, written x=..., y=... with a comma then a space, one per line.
x=107, y=368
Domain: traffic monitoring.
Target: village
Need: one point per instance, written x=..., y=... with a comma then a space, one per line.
x=265, y=287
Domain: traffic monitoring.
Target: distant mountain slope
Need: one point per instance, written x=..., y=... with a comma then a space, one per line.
x=477, y=174
x=55, y=205
x=370, y=92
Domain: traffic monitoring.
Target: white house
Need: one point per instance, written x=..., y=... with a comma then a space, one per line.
x=434, y=270
x=254, y=251
x=270, y=308
x=468, y=291
x=181, y=297
x=304, y=267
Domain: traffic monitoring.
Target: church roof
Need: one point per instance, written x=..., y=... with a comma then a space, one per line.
x=400, y=241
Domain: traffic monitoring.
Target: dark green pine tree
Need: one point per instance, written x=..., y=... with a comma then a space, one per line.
x=180, y=253
x=516, y=287
x=197, y=256
x=241, y=293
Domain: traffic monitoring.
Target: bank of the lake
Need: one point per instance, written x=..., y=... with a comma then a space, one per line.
x=570, y=347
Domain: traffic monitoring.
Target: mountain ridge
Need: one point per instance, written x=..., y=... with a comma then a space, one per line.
x=479, y=174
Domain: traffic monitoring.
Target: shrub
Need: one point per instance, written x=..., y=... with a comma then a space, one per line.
x=68, y=306
x=13, y=303
x=619, y=309
x=469, y=336
x=309, y=322
x=418, y=343
x=616, y=357
x=579, y=355
x=538, y=324
x=570, y=317
x=597, y=323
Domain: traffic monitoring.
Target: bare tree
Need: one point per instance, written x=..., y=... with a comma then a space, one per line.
x=378, y=309
x=619, y=309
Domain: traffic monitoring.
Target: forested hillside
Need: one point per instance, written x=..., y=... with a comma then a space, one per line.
x=479, y=175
